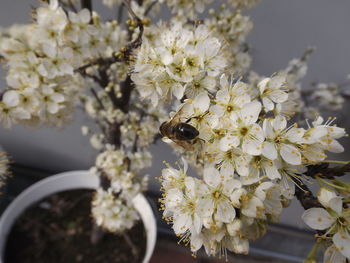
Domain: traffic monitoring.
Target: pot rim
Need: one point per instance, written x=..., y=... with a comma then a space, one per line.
x=69, y=181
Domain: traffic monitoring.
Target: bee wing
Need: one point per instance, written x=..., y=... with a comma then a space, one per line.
x=177, y=116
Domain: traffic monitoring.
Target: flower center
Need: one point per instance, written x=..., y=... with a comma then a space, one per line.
x=216, y=195
x=243, y=131
x=278, y=140
x=196, y=85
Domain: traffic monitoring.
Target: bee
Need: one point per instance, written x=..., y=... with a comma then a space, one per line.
x=179, y=132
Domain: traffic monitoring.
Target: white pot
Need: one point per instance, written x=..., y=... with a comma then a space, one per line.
x=70, y=181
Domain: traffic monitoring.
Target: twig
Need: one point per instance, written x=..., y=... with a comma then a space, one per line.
x=120, y=13
x=324, y=171
x=72, y=6
x=96, y=234
x=126, y=53
x=304, y=58
x=127, y=87
x=138, y=41
x=134, y=249
x=149, y=7
x=93, y=77
x=99, y=61
x=69, y=4
x=305, y=196
x=94, y=93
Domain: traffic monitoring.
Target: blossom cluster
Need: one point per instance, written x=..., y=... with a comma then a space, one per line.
x=232, y=28
x=51, y=64
x=250, y=153
x=249, y=158
x=42, y=59
x=328, y=96
x=177, y=61
x=190, y=9
x=111, y=213
x=243, y=3
x=334, y=219
x=119, y=162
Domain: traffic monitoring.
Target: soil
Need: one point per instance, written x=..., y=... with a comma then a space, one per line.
x=58, y=230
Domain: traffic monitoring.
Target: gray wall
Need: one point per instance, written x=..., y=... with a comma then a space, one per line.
x=283, y=29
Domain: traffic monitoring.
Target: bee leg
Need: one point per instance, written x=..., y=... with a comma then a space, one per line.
x=188, y=120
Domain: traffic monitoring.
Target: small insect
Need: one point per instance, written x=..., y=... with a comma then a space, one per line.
x=179, y=132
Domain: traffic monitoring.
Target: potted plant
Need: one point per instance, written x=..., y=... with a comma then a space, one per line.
x=244, y=133
x=71, y=181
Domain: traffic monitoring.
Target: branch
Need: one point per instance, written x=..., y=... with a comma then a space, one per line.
x=69, y=4
x=120, y=13
x=94, y=93
x=96, y=234
x=305, y=57
x=134, y=249
x=149, y=7
x=127, y=87
x=138, y=41
x=305, y=196
x=126, y=53
x=324, y=171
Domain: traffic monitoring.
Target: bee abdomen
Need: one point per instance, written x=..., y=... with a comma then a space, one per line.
x=185, y=131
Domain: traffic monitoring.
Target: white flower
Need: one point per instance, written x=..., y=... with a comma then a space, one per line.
x=230, y=98
x=217, y=199
x=10, y=98
x=288, y=173
x=261, y=166
x=186, y=214
x=245, y=131
x=233, y=160
x=178, y=61
x=10, y=115
x=282, y=140
x=332, y=255
x=172, y=178
x=52, y=100
x=271, y=91
x=332, y=217
x=111, y=213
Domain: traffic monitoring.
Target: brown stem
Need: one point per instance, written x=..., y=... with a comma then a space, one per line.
x=96, y=234
x=324, y=171
x=120, y=13
x=149, y=8
x=134, y=249
x=305, y=196
x=94, y=93
x=114, y=134
x=127, y=87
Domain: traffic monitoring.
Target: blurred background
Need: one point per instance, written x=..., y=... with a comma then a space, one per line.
x=283, y=29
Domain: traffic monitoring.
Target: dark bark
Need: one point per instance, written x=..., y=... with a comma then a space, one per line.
x=324, y=171
x=86, y=4
x=305, y=196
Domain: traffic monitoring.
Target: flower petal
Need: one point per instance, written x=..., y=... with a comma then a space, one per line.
x=212, y=176
x=317, y=218
x=290, y=154
x=342, y=241
x=269, y=150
